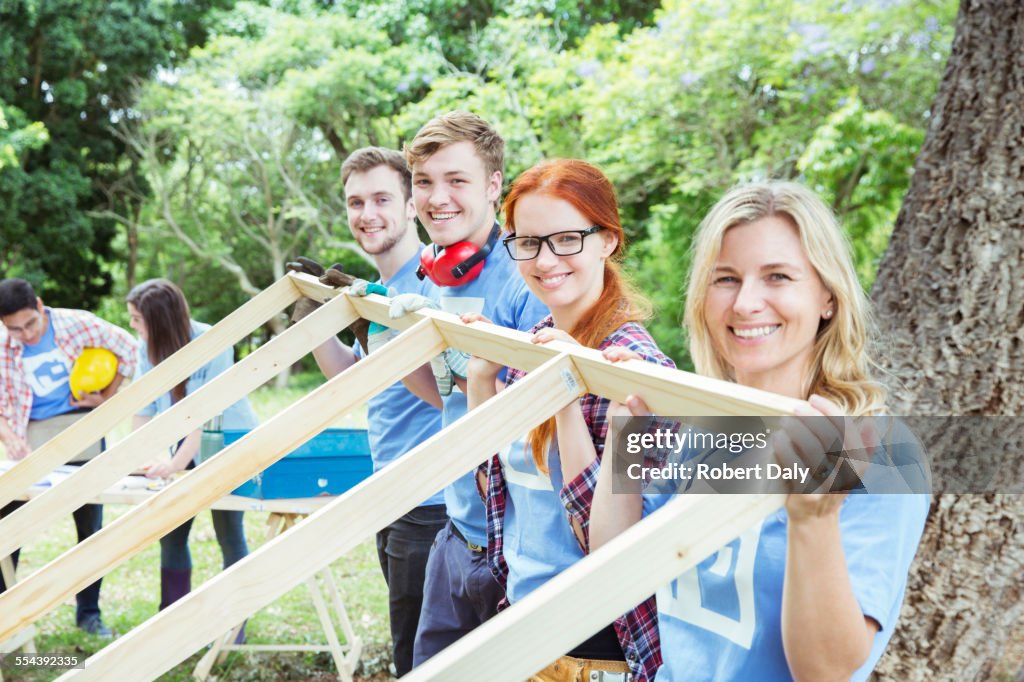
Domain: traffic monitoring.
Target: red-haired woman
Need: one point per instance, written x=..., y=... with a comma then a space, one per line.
x=567, y=238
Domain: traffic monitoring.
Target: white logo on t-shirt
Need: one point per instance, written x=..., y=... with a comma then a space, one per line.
x=682, y=598
x=520, y=469
x=46, y=372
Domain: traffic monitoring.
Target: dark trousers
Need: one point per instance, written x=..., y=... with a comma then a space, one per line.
x=403, y=548
x=229, y=529
x=459, y=593
x=88, y=520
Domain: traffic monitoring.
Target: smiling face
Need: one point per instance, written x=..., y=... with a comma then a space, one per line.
x=27, y=325
x=567, y=285
x=454, y=195
x=765, y=305
x=137, y=322
x=378, y=213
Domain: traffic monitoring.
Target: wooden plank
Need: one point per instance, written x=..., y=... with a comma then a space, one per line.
x=176, y=632
x=586, y=597
x=32, y=520
x=667, y=391
x=63, y=447
x=84, y=563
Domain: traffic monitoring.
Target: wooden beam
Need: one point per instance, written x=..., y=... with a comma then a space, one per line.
x=667, y=391
x=32, y=520
x=176, y=632
x=84, y=563
x=581, y=600
x=63, y=447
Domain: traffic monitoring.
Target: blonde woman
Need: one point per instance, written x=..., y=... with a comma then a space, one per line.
x=813, y=592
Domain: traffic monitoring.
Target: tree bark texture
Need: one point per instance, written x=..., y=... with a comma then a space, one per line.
x=950, y=304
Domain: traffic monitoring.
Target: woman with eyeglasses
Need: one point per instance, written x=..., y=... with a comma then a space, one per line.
x=567, y=239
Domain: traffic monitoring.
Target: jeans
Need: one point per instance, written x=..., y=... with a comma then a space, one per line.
x=88, y=520
x=459, y=594
x=403, y=548
x=228, y=527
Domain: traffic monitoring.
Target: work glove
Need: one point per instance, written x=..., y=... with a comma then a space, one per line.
x=403, y=304
x=360, y=287
x=333, y=276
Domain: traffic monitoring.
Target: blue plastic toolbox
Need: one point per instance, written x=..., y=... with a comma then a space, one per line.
x=328, y=464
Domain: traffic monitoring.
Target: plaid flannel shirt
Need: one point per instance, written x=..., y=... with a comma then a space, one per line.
x=73, y=330
x=637, y=629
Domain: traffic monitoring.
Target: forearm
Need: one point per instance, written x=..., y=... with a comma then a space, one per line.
x=333, y=357
x=575, y=446
x=421, y=383
x=187, y=451
x=824, y=633
x=480, y=389
x=613, y=513
x=110, y=390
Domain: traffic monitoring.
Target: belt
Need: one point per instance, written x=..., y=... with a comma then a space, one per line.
x=462, y=538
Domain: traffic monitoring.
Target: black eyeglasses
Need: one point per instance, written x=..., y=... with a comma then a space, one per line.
x=567, y=243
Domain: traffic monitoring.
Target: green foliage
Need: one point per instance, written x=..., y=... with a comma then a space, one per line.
x=70, y=67
x=237, y=148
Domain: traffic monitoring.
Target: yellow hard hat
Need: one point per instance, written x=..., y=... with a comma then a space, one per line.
x=93, y=371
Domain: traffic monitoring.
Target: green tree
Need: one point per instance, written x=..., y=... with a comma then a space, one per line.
x=70, y=67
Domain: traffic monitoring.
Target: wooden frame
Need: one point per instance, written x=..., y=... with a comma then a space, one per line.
x=168, y=428
x=69, y=443
x=559, y=374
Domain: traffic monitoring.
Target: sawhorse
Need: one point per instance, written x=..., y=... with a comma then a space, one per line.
x=346, y=656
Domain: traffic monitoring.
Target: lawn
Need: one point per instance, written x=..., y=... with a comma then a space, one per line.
x=131, y=593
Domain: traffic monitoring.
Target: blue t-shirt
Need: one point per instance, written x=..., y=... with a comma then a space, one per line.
x=236, y=416
x=397, y=420
x=540, y=545
x=722, y=620
x=47, y=369
x=501, y=295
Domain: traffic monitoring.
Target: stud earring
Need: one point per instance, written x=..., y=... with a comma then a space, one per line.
x=828, y=314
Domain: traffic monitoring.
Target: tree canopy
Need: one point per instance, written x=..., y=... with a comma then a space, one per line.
x=221, y=163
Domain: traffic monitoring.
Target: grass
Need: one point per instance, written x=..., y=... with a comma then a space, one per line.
x=131, y=592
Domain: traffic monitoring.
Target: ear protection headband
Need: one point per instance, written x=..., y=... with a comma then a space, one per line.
x=457, y=264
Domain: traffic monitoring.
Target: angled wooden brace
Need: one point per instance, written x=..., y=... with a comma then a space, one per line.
x=32, y=520
x=594, y=592
x=63, y=447
x=183, y=499
x=176, y=632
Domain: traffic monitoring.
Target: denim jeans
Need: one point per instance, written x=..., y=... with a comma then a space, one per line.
x=403, y=548
x=88, y=520
x=228, y=527
x=459, y=594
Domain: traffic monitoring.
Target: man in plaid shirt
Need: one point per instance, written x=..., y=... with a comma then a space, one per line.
x=37, y=350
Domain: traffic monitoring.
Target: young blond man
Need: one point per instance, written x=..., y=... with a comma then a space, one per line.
x=457, y=162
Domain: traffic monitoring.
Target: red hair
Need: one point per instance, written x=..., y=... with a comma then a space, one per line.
x=587, y=189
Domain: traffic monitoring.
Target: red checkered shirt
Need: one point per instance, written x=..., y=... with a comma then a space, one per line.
x=73, y=330
x=637, y=629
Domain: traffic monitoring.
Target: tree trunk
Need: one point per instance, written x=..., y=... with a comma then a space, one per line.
x=950, y=302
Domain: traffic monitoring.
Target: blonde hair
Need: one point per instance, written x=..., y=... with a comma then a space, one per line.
x=451, y=128
x=841, y=368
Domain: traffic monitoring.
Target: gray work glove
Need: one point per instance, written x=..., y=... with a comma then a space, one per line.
x=403, y=304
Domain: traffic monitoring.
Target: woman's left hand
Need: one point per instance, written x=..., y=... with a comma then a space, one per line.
x=163, y=470
x=549, y=334
x=805, y=441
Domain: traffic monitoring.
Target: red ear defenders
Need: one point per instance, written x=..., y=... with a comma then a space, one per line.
x=457, y=264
